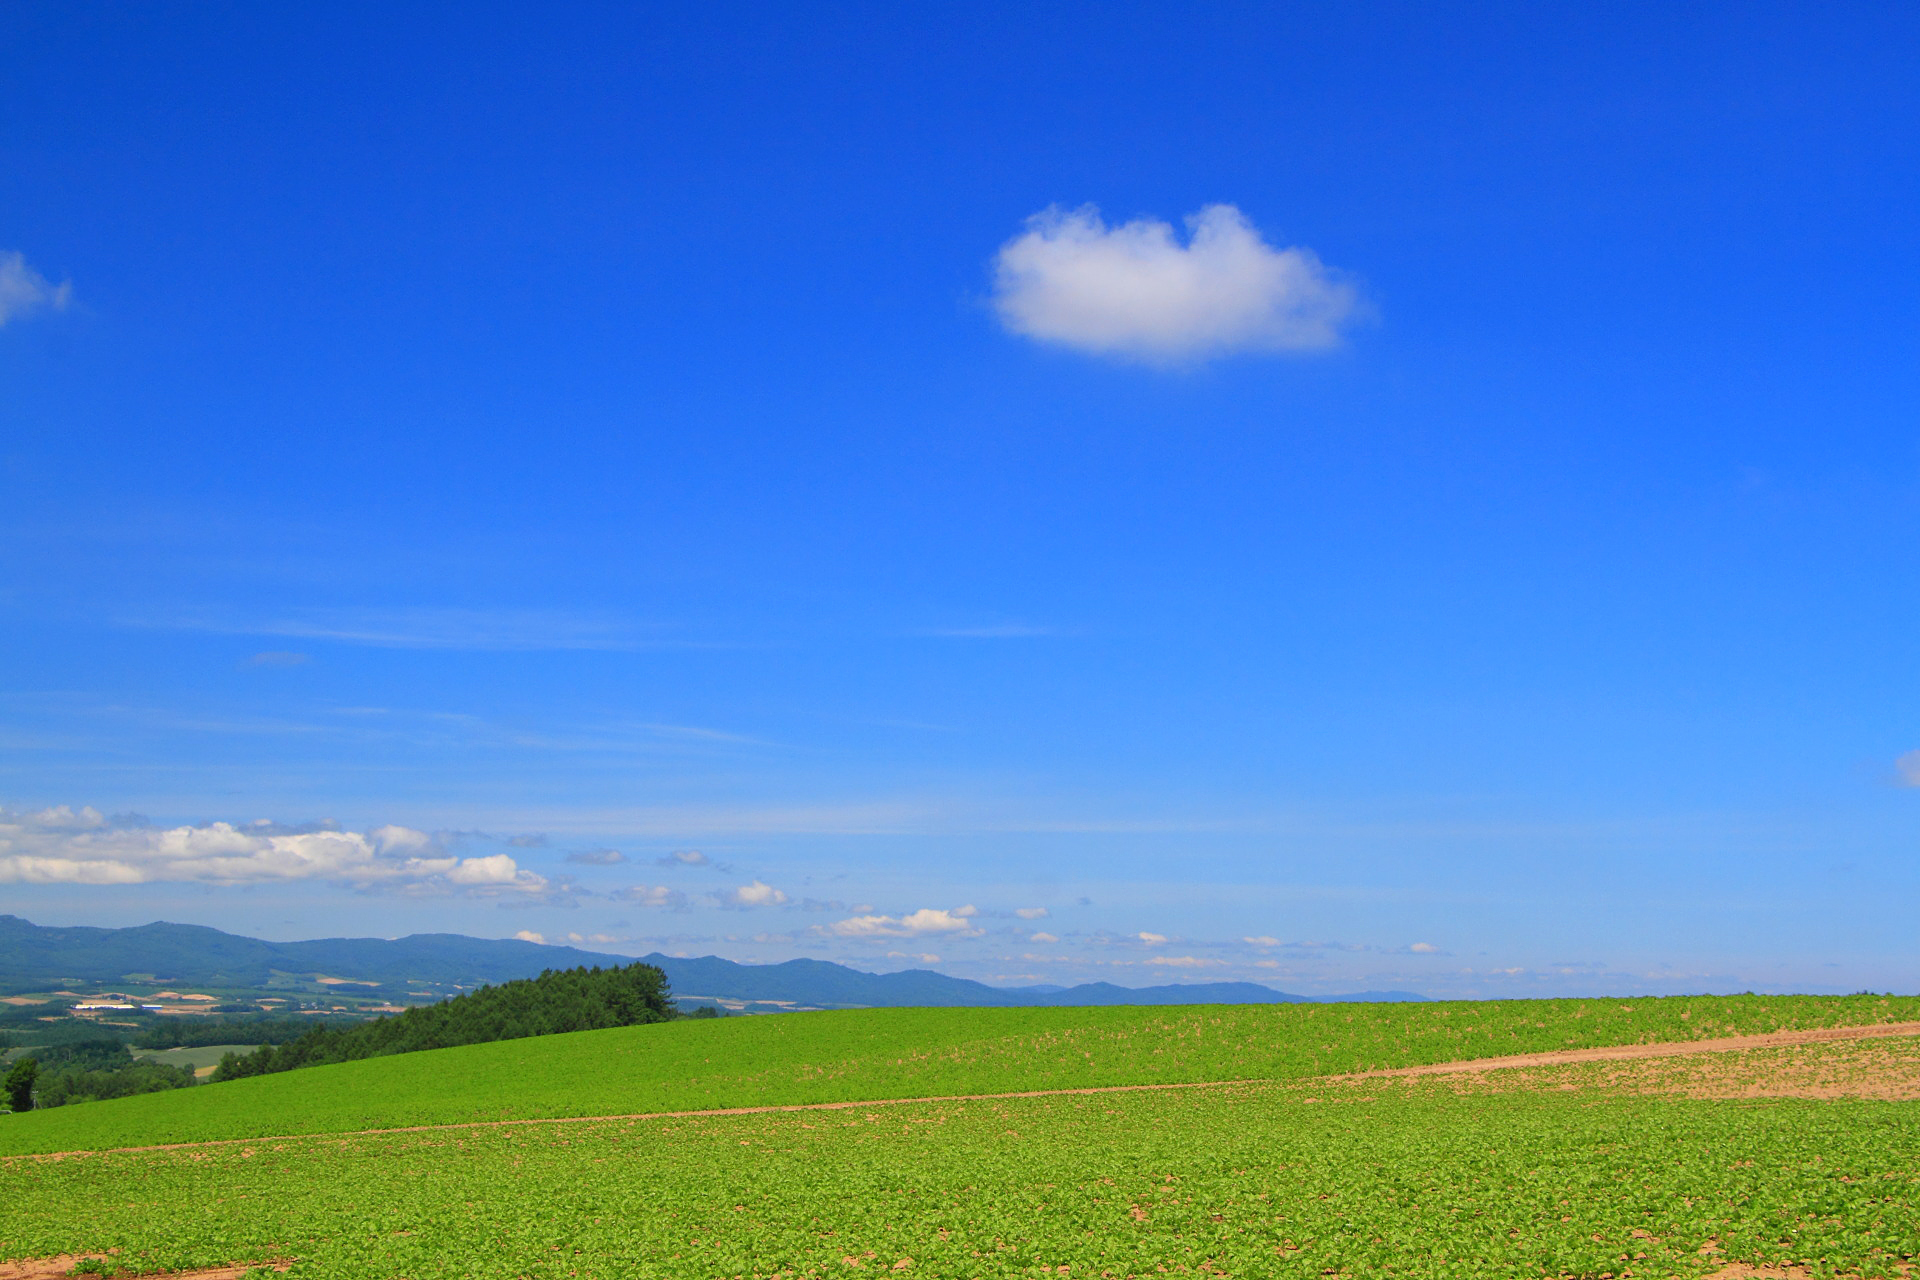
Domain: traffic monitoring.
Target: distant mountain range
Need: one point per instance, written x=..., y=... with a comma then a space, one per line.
x=37, y=958
x=32, y=956
x=820, y=984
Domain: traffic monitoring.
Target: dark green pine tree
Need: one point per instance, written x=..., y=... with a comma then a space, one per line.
x=19, y=1084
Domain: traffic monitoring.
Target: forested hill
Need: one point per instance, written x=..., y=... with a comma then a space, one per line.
x=559, y=1000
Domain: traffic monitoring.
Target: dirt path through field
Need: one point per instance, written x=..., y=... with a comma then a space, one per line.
x=1561, y=1057
x=62, y=1266
x=1671, y=1049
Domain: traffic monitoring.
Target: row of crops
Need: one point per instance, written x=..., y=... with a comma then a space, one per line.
x=1410, y=1180
x=895, y=1053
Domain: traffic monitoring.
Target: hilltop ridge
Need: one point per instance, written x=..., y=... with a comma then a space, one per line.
x=37, y=957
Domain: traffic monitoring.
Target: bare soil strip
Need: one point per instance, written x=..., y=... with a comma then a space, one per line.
x=1885, y=1069
x=62, y=1266
x=634, y=1115
x=1747, y=1271
x=1562, y=1057
x=1671, y=1049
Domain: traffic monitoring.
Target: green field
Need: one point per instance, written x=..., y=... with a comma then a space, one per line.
x=895, y=1053
x=1249, y=1180
x=1286, y=1176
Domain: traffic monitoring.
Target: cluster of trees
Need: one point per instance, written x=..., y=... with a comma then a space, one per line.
x=558, y=1000
x=85, y=1071
x=195, y=1033
x=58, y=1088
x=83, y=1066
x=73, y=1062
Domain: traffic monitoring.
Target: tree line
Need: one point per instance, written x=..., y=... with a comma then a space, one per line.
x=197, y=1033
x=85, y=1071
x=558, y=1000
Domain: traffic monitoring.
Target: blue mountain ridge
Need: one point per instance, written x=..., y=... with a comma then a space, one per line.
x=35, y=957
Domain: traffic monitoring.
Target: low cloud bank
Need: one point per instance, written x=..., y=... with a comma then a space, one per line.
x=68, y=846
x=922, y=923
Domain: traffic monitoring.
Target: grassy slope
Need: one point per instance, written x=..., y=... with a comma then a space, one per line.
x=890, y=1053
x=1253, y=1180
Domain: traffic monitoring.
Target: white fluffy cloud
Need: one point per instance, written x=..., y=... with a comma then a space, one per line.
x=1134, y=291
x=69, y=846
x=1031, y=913
x=1185, y=962
x=24, y=290
x=928, y=920
x=1152, y=939
x=495, y=869
x=757, y=894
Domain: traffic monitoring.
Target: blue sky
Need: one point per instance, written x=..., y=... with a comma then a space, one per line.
x=500, y=448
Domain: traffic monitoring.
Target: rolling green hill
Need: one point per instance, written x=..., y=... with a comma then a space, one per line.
x=1257, y=1182
x=873, y=1054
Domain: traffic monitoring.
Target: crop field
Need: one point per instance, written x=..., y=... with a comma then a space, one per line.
x=1806, y=1156
x=1661, y=1169
x=896, y=1053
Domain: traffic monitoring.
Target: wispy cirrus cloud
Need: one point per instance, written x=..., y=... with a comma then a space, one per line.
x=278, y=658
x=722, y=821
x=24, y=291
x=989, y=631
x=1135, y=292
x=1265, y=942
x=657, y=895
x=429, y=628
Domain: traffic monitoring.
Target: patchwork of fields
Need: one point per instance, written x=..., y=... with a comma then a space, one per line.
x=1808, y=1156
